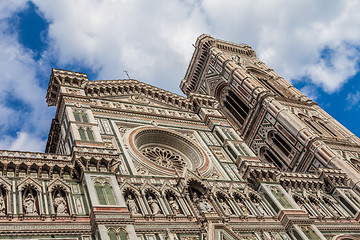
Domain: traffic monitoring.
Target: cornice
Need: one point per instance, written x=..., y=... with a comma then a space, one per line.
x=106, y=88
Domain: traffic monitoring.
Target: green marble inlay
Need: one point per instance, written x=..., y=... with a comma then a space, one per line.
x=110, y=195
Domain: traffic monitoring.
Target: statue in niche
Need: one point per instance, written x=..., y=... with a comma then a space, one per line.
x=154, y=205
x=242, y=206
x=60, y=204
x=301, y=205
x=259, y=207
x=225, y=207
x=132, y=204
x=320, y=209
x=195, y=197
x=204, y=206
x=29, y=204
x=174, y=205
x=2, y=204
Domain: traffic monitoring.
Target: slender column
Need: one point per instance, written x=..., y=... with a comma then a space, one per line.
x=20, y=203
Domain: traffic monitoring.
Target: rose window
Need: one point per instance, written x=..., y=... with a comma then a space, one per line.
x=164, y=157
x=161, y=150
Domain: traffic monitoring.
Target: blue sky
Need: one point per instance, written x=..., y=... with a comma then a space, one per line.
x=312, y=44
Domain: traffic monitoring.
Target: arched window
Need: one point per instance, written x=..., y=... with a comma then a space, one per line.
x=105, y=193
x=80, y=116
x=281, y=144
x=77, y=116
x=112, y=234
x=270, y=157
x=86, y=134
x=90, y=134
x=236, y=107
x=120, y=234
x=327, y=129
x=82, y=134
x=269, y=86
x=84, y=117
x=312, y=126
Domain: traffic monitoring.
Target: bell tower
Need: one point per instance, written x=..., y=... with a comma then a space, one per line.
x=278, y=122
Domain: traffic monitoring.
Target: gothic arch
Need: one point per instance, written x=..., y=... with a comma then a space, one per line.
x=29, y=181
x=256, y=196
x=219, y=192
x=234, y=105
x=195, y=186
x=117, y=233
x=279, y=142
x=127, y=187
x=5, y=184
x=146, y=187
x=59, y=183
x=326, y=127
x=26, y=188
x=104, y=190
x=267, y=155
x=239, y=195
x=169, y=189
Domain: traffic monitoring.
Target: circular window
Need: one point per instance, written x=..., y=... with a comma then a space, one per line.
x=167, y=150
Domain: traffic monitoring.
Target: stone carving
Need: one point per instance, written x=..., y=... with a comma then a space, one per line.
x=154, y=205
x=320, y=210
x=225, y=207
x=132, y=205
x=29, y=204
x=242, y=206
x=259, y=207
x=203, y=205
x=60, y=204
x=2, y=204
x=174, y=205
x=164, y=157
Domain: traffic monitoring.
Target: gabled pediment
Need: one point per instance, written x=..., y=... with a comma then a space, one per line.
x=116, y=89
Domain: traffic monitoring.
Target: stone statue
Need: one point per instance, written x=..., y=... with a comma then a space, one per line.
x=60, y=204
x=242, y=206
x=204, y=206
x=195, y=197
x=29, y=204
x=153, y=205
x=132, y=205
x=260, y=208
x=2, y=204
x=225, y=207
x=320, y=210
x=174, y=205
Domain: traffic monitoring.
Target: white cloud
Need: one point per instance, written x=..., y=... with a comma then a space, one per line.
x=290, y=35
x=152, y=39
x=22, y=100
x=353, y=100
x=24, y=141
x=331, y=72
x=8, y=7
x=310, y=92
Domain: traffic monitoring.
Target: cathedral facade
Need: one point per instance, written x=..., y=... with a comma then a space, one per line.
x=244, y=155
